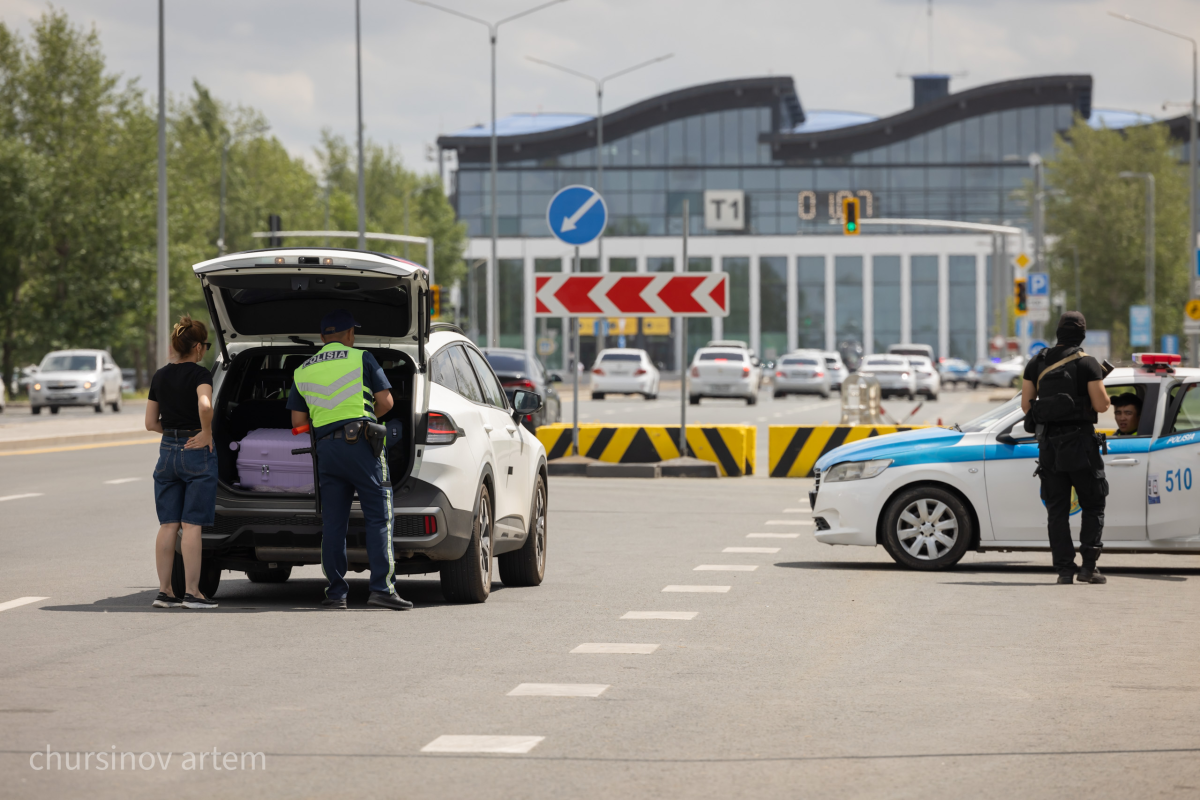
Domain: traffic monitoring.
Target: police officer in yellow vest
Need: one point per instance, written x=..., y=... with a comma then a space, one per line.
x=343, y=389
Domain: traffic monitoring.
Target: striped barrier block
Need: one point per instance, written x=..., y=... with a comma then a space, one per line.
x=794, y=449
x=730, y=447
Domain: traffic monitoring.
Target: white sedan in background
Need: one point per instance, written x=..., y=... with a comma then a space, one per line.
x=895, y=375
x=801, y=373
x=1005, y=373
x=724, y=372
x=624, y=371
x=836, y=369
x=929, y=383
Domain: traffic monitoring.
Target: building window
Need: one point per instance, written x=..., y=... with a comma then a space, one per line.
x=737, y=324
x=810, y=301
x=772, y=303
x=848, y=298
x=622, y=265
x=885, y=286
x=925, y=301
x=962, y=307
x=512, y=302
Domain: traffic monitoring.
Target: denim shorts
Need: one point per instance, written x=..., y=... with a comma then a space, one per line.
x=185, y=484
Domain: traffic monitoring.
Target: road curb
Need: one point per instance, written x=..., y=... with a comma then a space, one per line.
x=605, y=470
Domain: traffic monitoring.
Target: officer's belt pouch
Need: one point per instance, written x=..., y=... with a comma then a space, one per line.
x=353, y=430
x=1055, y=408
x=1072, y=451
x=376, y=436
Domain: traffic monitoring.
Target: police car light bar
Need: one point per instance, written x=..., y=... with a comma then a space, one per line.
x=1153, y=362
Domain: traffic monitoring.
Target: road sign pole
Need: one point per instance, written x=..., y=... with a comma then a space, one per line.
x=574, y=323
x=683, y=348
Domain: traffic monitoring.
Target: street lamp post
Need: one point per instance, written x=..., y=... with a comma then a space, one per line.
x=362, y=192
x=1193, y=241
x=493, y=322
x=1149, y=179
x=163, y=323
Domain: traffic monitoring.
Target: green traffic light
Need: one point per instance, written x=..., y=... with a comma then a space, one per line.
x=851, y=226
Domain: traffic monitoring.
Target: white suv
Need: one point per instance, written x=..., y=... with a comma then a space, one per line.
x=469, y=482
x=624, y=371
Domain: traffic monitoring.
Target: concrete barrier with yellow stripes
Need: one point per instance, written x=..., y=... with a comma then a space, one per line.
x=794, y=449
x=730, y=447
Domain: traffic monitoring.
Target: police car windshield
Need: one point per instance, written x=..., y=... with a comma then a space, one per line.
x=990, y=418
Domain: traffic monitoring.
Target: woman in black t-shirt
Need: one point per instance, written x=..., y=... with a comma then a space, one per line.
x=185, y=479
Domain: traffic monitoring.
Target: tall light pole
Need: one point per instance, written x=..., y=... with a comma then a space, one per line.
x=362, y=192
x=163, y=326
x=599, y=84
x=1193, y=267
x=493, y=321
x=1149, y=179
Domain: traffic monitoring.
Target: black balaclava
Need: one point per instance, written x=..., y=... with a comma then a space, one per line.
x=1072, y=327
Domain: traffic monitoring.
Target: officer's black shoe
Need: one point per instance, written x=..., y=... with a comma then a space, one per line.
x=334, y=604
x=1066, y=578
x=1091, y=575
x=392, y=601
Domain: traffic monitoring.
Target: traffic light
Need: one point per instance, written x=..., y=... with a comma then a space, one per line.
x=435, y=301
x=850, y=216
x=1020, y=297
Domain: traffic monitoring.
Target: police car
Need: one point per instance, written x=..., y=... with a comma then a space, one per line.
x=469, y=482
x=927, y=496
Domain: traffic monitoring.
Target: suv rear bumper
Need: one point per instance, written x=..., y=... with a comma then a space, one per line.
x=251, y=533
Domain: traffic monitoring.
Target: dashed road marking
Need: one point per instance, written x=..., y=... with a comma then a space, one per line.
x=788, y=522
x=772, y=536
x=559, y=690
x=121, y=480
x=725, y=568
x=482, y=744
x=797, y=511
x=21, y=496
x=628, y=648
x=21, y=601
x=750, y=550
x=698, y=589
x=660, y=615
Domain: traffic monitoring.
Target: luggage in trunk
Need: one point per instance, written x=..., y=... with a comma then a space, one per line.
x=265, y=462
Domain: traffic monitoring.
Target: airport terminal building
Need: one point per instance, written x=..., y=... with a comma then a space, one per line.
x=796, y=280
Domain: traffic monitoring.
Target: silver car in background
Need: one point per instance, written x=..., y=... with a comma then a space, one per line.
x=724, y=372
x=802, y=373
x=836, y=369
x=76, y=378
x=929, y=382
x=895, y=375
x=624, y=371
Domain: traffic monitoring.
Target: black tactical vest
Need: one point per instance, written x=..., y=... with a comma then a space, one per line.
x=1059, y=398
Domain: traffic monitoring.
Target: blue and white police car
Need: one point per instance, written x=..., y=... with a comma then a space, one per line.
x=927, y=496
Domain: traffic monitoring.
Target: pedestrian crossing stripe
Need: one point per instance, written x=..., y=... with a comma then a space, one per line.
x=794, y=449
x=731, y=447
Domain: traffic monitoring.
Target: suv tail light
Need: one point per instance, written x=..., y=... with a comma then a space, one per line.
x=695, y=372
x=597, y=371
x=430, y=524
x=639, y=371
x=745, y=372
x=440, y=429
x=779, y=373
x=527, y=385
x=818, y=374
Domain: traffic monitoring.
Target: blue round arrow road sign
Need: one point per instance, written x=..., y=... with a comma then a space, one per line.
x=577, y=214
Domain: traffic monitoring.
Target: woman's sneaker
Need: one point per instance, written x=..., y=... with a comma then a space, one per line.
x=191, y=601
x=165, y=600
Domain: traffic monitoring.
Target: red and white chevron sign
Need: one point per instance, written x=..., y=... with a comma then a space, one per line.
x=624, y=295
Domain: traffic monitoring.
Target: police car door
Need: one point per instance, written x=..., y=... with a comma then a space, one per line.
x=1014, y=493
x=1173, y=487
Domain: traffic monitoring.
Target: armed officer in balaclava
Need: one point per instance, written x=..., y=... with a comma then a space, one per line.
x=1061, y=394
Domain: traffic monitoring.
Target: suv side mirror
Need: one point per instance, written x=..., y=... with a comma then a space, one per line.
x=525, y=403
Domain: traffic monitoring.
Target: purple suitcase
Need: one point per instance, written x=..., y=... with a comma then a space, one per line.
x=265, y=462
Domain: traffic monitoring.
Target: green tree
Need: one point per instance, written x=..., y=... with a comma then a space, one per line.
x=1104, y=216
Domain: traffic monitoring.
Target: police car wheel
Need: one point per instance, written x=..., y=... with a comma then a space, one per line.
x=926, y=528
x=527, y=566
x=469, y=579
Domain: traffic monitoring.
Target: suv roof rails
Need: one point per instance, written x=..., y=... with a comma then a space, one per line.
x=446, y=326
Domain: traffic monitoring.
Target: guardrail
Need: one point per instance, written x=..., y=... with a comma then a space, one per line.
x=730, y=447
x=792, y=450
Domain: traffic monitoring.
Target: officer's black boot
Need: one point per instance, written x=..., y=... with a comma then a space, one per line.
x=1066, y=577
x=392, y=601
x=1091, y=575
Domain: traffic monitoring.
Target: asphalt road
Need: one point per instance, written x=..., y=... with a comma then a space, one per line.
x=822, y=672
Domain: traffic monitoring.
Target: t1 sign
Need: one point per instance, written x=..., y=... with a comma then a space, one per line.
x=725, y=210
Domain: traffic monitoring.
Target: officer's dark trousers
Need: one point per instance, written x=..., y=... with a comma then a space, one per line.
x=344, y=469
x=1056, y=493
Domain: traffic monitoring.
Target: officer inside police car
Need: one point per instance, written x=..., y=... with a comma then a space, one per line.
x=1127, y=411
x=343, y=391
x=1062, y=393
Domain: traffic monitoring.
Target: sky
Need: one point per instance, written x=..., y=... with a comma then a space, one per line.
x=426, y=72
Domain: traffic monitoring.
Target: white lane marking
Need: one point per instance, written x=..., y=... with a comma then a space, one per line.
x=631, y=648
x=482, y=744
x=21, y=496
x=788, y=522
x=797, y=511
x=700, y=589
x=772, y=536
x=20, y=601
x=122, y=480
x=559, y=690
x=725, y=568
x=660, y=615
x=750, y=550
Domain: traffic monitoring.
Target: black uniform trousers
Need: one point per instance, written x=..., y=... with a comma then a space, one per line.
x=1091, y=489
